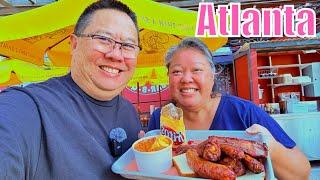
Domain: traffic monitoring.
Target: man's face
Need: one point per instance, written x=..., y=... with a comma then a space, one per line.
x=98, y=71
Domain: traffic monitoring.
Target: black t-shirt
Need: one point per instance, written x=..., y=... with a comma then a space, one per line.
x=53, y=130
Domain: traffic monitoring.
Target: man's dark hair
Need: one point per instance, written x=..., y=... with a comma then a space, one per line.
x=86, y=15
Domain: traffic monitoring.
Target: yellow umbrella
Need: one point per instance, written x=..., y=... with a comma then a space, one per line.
x=13, y=81
x=32, y=49
x=149, y=75
x=15, y=71
x=154, y=45
x=151, y=15
x=31, y=34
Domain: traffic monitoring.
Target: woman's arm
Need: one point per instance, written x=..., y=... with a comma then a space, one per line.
x=287, y=163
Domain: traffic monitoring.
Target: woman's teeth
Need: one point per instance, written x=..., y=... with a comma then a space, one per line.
x=191, y=90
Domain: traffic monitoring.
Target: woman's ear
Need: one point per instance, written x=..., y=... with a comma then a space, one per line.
x=213, y=76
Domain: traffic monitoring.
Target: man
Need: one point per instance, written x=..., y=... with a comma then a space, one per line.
x=60, y=129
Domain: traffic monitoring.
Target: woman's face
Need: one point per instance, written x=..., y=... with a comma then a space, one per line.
x=190, y=78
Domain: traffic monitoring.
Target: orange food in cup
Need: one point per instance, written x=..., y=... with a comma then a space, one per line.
x=152, y=144
x=153, y=154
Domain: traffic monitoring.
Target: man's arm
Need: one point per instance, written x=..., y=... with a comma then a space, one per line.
x=18, y=118
x=11, y=159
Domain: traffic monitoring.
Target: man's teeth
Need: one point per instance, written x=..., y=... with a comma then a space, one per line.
x=110, y=70
x=191, y=90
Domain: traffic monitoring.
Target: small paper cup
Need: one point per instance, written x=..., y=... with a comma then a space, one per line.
x=154, y=161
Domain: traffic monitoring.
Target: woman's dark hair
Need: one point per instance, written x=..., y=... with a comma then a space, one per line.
x=190, y=42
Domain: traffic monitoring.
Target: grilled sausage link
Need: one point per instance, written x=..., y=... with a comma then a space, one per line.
x=253, y=164
x=199, y=147
x=235, y=165
x=207, y=169
x=211, y=152
x=253, y=148
x=232, y=151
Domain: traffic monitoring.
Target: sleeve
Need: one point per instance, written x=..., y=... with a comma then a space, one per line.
x=154, y=122
x=258, y=116
x=14, y=142
x=11, y=159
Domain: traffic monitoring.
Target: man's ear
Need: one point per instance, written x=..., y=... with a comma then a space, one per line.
x=73, y=42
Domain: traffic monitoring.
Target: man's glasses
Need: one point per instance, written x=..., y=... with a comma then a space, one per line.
x=106, y=45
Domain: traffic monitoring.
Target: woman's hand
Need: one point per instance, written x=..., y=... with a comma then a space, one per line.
x=256, y=128
x=287, y=163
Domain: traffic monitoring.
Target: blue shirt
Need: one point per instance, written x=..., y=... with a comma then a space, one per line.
x=53, y=130
x=234, y=113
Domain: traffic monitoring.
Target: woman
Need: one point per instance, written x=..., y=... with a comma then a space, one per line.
x=191, y=80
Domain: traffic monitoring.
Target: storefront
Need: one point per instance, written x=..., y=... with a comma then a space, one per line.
x=283, y=78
